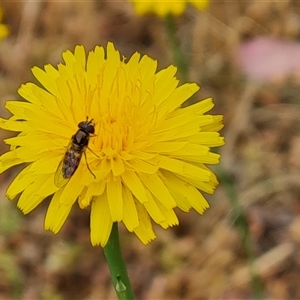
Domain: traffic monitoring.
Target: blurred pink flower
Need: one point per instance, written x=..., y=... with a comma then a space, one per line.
x=265, y=58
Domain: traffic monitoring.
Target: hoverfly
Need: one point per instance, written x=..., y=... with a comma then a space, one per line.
x=70, y=162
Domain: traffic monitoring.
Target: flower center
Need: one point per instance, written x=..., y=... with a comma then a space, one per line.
x=114, y=132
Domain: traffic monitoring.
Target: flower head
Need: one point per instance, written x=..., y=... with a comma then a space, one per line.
x=3, y=28
x=162, y=8
x=139, y=154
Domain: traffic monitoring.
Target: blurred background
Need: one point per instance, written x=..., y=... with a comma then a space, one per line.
x=244, y=54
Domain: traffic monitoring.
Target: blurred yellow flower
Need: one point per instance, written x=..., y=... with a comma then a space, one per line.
x=162, y=8
x=147, y=155
x=3, y=28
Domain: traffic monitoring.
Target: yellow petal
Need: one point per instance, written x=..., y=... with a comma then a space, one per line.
x=153, y=209
x=179, y=189
x=94, y=63
x=142, y=166
x=144, y=231
x=25, y=91
x=4, y=31
x=182, y=168
x=198, y=202
x=133, y=182
x=57, y=213
x=79, y=55
x=166, y=147
x=178, y=96
x=46, y=164
x=196, y=109
x=211, y=139
x=165, y=78
x=117, y=165
x=186, y=193
x=72, y=189
x=18, y=108
x=47, y=81
x=13, y=125
x=209, y=158
x=22, y=180
x=94, y=189
x=49, y=104
x=130, y=216
x=115, y=199
x=101, y=222
x=8, y=160
x=170, y=218
x=156, y=186
x=207, y=187
x=215, y=125
x=38, y=190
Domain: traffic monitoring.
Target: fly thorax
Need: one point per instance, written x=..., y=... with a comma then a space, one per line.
x=81, y=138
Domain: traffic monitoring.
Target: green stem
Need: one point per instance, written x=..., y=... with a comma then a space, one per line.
x=179, y=59
x=242, y=225
x=116, y=265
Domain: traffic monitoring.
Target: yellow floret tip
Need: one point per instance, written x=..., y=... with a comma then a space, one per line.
x=163, y=8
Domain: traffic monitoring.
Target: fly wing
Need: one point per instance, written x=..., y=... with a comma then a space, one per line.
x=67, y=166
x=59, y=179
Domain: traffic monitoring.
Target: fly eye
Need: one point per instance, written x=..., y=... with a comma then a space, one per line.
x=90, y=129
x=87, y=126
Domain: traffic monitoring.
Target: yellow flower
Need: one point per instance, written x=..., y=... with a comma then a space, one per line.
x=146, y=156
x=3, y=28
x=162, y=8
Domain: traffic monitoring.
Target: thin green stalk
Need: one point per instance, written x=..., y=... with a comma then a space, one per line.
x=242, y=225
x=117, y=267
x=179, y=58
